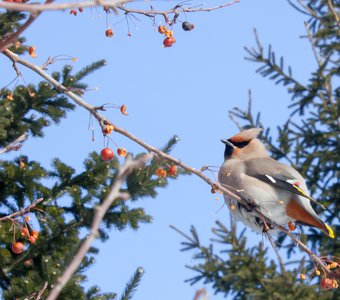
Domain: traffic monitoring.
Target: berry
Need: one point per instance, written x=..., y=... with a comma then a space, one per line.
x=35, y=233
x=31, y=52
x=291, y=226
x=186, y=26
x=123, y=110
x=80, y=9
x=161, y=173
x=108, y=128
x=73, y=12
x=162, y=29
x=32, y=239
x=173, y=170
x=169, y=41
x=121, y=152
x=109, y=33
x=18, y=247
x=107, y=154
x=327, y=283
x=24, y=232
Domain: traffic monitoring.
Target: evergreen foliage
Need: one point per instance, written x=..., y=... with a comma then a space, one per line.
x=70, y=197
x=309, y=140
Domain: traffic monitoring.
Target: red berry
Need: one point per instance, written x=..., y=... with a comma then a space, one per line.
x=109, y=33
x=169, y=41
x=107, y=154
x=326, y=283
x=173, y=170
x=32, y=239
x=73, y=12
x=18, y=247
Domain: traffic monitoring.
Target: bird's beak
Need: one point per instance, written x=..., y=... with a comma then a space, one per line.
x=227, y=143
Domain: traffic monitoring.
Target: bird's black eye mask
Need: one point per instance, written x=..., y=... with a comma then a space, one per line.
x=240, y=144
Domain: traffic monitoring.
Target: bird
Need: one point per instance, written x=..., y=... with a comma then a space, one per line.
x=276, y=192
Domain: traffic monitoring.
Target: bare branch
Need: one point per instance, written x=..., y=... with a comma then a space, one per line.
x=22, y=211
x=37, y=8
x=100, y=212
x=8, y=40
x=15, y=145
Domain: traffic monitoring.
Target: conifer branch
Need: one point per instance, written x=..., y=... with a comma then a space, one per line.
x=100, y=212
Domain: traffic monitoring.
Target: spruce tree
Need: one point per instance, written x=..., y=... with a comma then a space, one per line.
x=309, y=140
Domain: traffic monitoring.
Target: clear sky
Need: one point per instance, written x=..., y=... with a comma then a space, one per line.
x=185, y=90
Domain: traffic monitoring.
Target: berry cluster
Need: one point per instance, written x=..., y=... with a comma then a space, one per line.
x=161, y=172
x=107, y=153
x=169, y=38
x=26, y=232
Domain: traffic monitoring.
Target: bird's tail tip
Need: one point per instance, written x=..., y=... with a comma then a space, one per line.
x=330, y=231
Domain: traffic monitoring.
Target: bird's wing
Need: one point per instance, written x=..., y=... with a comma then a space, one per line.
x=286, y=178
x=278, y=175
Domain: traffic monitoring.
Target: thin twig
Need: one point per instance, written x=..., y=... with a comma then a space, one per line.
x=37, y=8
x=22, y=211
x=15, y=145
x=100, y=212
x=42, y=291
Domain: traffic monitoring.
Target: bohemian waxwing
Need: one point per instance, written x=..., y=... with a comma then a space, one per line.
x=276, y=190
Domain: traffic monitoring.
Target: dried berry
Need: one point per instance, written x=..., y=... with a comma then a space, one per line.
x=186, y=26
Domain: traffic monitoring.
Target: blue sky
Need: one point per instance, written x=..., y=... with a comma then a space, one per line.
x=185, y=90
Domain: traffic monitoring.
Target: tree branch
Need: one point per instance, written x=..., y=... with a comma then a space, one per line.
x=38, y=8
x=15, y=145
x=22, y=211
x=100, y=212
x=103, y=121
x=8, y=40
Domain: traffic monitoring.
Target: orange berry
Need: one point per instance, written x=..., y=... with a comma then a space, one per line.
x=121, y=152
x=291, y=226
x=10, y=97
x=161, y=173
x=18, y=247
x=109, y=33
x=24, y=232
x=31, y=52
x=302, y=276
x=169, y=33
x=123, y=110
x=35, y=233
x=108, y=129
x=162, y=29
x=27, y=218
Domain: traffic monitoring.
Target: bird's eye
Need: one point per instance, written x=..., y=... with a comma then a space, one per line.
x=239, y=144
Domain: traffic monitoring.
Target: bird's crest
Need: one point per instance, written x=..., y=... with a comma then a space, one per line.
x=246, y=135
